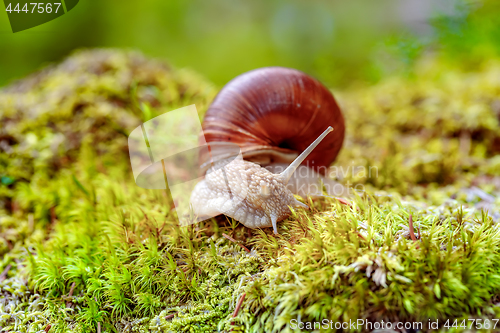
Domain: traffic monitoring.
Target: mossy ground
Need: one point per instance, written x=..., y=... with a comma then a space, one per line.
x=72, y=216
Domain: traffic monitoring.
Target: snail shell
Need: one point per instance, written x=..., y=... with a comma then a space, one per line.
x=273, y=114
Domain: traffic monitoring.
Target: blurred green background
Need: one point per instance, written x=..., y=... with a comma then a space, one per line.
x=340, y=42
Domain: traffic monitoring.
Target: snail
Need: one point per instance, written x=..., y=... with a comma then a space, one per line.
x=272, y=114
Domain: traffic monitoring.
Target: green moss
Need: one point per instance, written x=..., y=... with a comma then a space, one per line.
x=436, y=128
x=72, y=215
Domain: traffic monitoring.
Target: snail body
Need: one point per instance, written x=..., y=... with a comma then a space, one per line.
x=249, y=193
x=272, y=114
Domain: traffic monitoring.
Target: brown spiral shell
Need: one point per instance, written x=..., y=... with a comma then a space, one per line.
x=273, y=114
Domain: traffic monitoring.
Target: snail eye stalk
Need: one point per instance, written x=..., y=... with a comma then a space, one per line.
x=287, y=174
